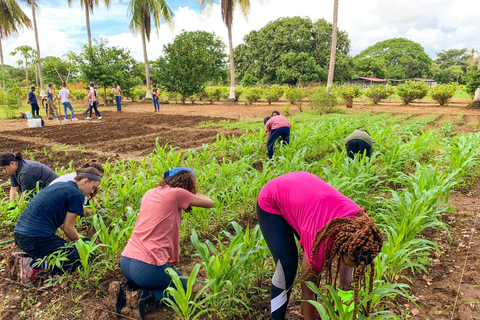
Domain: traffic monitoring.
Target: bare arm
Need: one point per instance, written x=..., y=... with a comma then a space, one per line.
x=202, y=201
x=307, y=309
x=268, y=135
x=14, y=190
x=69, y=226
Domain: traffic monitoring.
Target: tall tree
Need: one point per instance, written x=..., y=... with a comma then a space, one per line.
x=333, y=51
x=33, y=4
x=228, y=8
x=27, y=53
x=12, y=20
x=142, y=13
x=89, y=5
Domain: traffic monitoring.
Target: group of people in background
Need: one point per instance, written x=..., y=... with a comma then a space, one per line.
x=329, y=226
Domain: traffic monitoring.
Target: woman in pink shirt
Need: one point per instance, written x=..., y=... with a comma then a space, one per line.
x=154, y=245
x=276, y=127
x=299, y=204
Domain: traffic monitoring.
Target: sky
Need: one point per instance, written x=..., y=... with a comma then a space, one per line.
x=436, y=24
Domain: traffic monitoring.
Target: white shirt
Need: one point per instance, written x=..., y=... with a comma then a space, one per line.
x=64, y=94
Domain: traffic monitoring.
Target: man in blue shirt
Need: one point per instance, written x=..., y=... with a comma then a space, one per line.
x=32, y=99
x=56, y=206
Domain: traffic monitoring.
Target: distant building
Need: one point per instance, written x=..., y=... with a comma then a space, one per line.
x=367, y=82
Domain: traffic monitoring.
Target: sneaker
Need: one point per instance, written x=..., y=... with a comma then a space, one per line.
x=117, y=294
x=99, y=118
x=88, y=118
x=74, y=119
x=27, y=272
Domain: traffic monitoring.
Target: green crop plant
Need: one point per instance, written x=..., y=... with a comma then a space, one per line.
x=89, y=269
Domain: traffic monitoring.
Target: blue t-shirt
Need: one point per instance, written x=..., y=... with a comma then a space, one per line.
x=47, y=211
x=32, y=96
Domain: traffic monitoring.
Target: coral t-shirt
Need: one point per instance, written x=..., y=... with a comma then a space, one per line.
x=307, y=203
x=155, y=239
x=276, y=122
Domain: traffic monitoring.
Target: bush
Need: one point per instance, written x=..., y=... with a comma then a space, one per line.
x=252, y=94
x=442, y=93
x=379, y=92
x=249, y=80
x=273, y=93
x=350, y=92
x=473, y=82
x=139, y=93
x=173, y=96
x=295, y=95
x=412, y=90
x=213, y=93
x=79, y=94
x=325, y=99
x=238, y=92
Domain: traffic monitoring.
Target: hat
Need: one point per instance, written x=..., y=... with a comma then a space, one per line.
x=167, y=175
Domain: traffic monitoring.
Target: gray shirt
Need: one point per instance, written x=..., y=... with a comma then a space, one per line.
x=49, y=95
x=360, y=135
x=31, y=172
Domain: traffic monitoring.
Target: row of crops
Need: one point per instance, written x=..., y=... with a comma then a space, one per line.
x=405, y=187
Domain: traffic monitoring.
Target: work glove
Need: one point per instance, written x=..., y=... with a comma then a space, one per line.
x=347, y=299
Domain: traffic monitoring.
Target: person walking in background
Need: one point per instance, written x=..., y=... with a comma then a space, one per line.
x=50, y=103
x=276, y=127
x=359, y=141
x=300, y=205
x=92, y=102
x=155, y=96
x=65, y=96
x=32, y=100
x=155, y=244
x=117, y=95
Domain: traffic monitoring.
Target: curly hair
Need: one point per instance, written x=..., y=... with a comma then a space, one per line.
x=359, y=239
x=182, y=179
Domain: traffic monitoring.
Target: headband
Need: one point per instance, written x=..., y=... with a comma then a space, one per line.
x=89, y=176
x=167, y=175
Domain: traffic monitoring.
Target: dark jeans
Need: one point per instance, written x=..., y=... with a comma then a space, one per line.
x=118, y=101
x=280, y=238
x=35, y=109
x=148, y=276
x=155, y=103
x=40, y=247
x=89, y=110
x=357, y=146
x=283, y=132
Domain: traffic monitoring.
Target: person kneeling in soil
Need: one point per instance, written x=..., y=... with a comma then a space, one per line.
x=154, y=244
x=25, y=174
x=56, y=206
x=276, y=127
x=299, y=204
x=359, y=141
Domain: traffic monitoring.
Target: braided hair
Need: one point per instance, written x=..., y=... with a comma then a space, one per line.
x=359, y=239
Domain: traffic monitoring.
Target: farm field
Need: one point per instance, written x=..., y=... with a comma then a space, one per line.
x=424, y=169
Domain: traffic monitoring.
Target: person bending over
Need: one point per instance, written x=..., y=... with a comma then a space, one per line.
x=299, y=204
x=25, y=174
x=56, y=206
x=154, y=245
x=276, y=127
x=359, y=141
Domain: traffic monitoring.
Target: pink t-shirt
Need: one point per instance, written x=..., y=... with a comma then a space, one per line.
x=276, y=122
x=155, y=239
x=307, y=203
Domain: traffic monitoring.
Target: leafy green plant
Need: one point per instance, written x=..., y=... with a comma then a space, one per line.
x=442, y=93
x=273, y=93
x=412, y=90
x=324, y=99
x=379, y=92
x=252, y=94
x=295, y=95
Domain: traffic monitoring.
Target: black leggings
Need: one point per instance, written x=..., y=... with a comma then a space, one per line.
x=280, y=238
x=357, y=146
x=93, y=107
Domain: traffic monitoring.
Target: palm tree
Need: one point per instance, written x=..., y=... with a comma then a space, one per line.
x=228, y=7
x=142, y=13
x=12, y=20
x=27, y=53
x=89, y=5
x=33, y=4
x=333, y=51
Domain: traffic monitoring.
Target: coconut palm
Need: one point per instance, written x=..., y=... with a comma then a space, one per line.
x=333, y=51
x=142, y=13
x=12, y=20
x=89, y=5
x=228, y=8
x=33, y=4
x=27, y=53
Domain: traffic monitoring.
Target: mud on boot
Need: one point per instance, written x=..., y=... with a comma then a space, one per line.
x=137, y=300
x=117, y=291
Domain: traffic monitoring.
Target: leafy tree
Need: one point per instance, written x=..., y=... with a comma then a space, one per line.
x=403, y=58
x=299, y=68
x=453, y=57
x=55, y=70
x=262, y=53
x=12, y=20
x=473, y=88
x=142, y=13
x=106, y=65
x=370, y=67
x=193, y=59
x=27, y=53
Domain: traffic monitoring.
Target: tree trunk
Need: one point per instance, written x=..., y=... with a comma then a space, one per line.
x=26, y=72
x=147, y=69
x=476, y=100
x=232, y=66
x=3, y=65
x=42, y=86
x=36, y=75
x=87, y=17
x=333, y=51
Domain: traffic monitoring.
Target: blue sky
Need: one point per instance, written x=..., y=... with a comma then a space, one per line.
x=435, y=24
